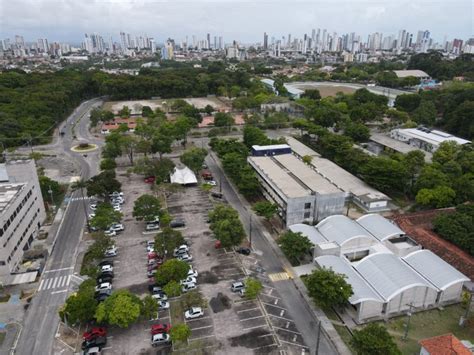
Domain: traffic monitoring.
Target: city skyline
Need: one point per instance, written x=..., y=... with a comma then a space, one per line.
x=67, y=21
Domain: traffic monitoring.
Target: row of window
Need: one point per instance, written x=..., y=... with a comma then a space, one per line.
x=23, y=236
x=20, y=222
x=15, y=213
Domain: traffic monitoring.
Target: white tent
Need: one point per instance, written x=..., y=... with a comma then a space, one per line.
x=183, y=176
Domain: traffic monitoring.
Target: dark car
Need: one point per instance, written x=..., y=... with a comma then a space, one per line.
x=217, y=194
x=106, y=274
x=243, y=251
x=102, y=279
x=99, y=342
x=101, y=297
x=177, y=223
x=106, y=262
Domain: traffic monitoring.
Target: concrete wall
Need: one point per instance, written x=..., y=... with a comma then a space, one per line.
x=329, y=204
x=368, y=309
x=452, y=294
x=418, y=297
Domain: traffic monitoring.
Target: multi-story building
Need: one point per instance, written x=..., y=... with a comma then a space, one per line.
x=21, y=213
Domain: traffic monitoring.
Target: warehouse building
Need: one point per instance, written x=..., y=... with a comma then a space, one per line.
x=298, y=190
x=389, y=277
x=356, y=190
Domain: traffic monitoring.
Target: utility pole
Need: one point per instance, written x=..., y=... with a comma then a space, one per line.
x=50, y=191
x=407, y=325
x=250, y=229
x=319, y=337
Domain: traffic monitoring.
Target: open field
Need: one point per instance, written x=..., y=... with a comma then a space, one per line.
x=326, y=91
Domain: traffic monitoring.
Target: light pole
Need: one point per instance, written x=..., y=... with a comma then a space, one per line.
x=50, y=191
x=319, y=337
x=250, y=229
x=407, y=325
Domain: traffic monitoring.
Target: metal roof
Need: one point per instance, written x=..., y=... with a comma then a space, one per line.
x=308, y=231
x=389, y=275
x=183, y=176
x=433, y=137
x=341, y=229
x=380, y=227
x=300, y=148
x=272, y=146
x=411, y=72
x=362, y=290
x=3, y=173
x=434, y=269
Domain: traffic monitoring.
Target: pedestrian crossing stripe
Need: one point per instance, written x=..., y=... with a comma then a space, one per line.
x=54, y=282
x=79, y=198
x=279, y=276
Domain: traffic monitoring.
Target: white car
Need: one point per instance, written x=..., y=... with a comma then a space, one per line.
x=91, y=215
x=192, y=272
x=188, y=287
x=110, y=232
x=111, y=251
x=156, y=219
x=211, y=182
x=118, y=227
x=106, y=268
x=160, y=296
x=182, y=249
x=193, y=312
x=116, y=194
x=237, y=286
x=93, y=206
x=189, y=280
x=117, y=208
x=119, y=200
x=163, y=304
x=185, y=257
x=152, y=226
x=103, y=286
x=160, y=338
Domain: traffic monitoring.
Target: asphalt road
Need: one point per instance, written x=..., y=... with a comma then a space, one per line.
x=42, y=319
x=304, y=319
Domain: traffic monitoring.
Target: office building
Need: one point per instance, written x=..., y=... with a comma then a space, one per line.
x=21, y=214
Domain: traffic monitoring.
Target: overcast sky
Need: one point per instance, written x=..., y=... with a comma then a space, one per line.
x=245, y=21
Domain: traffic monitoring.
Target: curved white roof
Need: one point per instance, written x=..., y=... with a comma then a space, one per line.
x=380, y=227
x=183, y=176
x=362, y=290
x=434, y=269
x=389, y=275
x=308, y=231
x=341, y=229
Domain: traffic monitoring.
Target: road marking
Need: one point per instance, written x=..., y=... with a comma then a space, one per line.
x=287, y=325
x=265, y=346
x=207, y=326
x=246, y=319
x=65, y=268
x=41, y=285
x=289, y=342
x=69, y=279
x=258, y=326
x=265, y=335
x=279, y=276
x=282, y=313
x=192, y=320
x=204, y=337
x=287, y=330
x=272, y=315
x=246, y=310
x=61, y=281
x=60, y=291
x=276, y=301
x=56, y=279
x=272, y=305
x=47, y=284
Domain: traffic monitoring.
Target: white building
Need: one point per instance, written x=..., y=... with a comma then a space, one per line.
x=388, y=271
x=420, y=74
x=182, y=175
x=424, y=138
x=21, y=213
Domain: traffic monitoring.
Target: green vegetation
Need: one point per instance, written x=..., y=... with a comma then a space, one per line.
x=295, y=246
x=167, y=240
x=194, y=158
x=94, y=254
x=374, y=339
x=180, y=332
x=172, y=289
x=222, y=119
x=103, y=184
x=149, y=308
x=46, y=184
x=457, y=227
x=146, y=207
x=81, y=306
x=105, y=216
x=226, y=225
x=327, y=288
x=265, y=209
x=172, y=270
x=253, y=287
x=122, y=309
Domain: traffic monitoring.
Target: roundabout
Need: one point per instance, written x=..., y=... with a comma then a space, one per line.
x=84, y=148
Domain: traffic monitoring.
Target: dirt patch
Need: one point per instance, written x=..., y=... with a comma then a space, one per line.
x=220, y=303
x=208, y=277
x=139, y=288
x=252, y=339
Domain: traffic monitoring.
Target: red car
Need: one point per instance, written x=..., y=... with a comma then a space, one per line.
x=160, y=328
x=152, y=255
x=94, y=333
x=150, y=179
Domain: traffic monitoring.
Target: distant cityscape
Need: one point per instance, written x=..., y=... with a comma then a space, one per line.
x=351, y=46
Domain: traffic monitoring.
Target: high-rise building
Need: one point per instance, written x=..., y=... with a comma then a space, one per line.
x=265, y=41
x=43, y=45
x=152, y=46
x=208, y=46
x=221, y=43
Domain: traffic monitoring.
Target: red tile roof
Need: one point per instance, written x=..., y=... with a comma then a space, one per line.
x=446, y=344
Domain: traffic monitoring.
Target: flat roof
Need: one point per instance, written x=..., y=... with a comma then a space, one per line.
x=345, y=180
x=434, y=137
x=8, y=193
x=397, y=145
x=300, y=148
x=271, y=146
x=308, y=176
x=411, y=72
x=308, y=231
x=283, y=181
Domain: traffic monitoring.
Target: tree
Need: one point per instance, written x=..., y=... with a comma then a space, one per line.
x=180, y=332
x=254, y=136
x=222, y=119
x=129, y=145
x=253, y=287
x=161, y=144
x=407, y=102
x=80, y=307
x=294, y=246
x=167, y=240
x=385, y=174
x=103, y=184
x=105, y=216
x=374, y=339
x=439, y=197
x=430, y=177
x=194, y=158
x=149, y=308
x=425, y=113
x=122, y=309
x=108, y=164
x=222, y=212
x=230, y=232
x=124, y=112
x=312, y=94
x=247, y=182
x=182, y=126
x=193, y=298
x=447, y=151
x=47, y=184
x=172, y=289
x=414, y=162
x=172, y=270
x=146, y=207
x=357, y=131
x=265, y=209
x=307, y=159
x=328, y=288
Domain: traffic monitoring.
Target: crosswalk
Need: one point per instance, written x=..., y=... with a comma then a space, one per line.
x=78, y=198
x=54, y=282
x=279, y=276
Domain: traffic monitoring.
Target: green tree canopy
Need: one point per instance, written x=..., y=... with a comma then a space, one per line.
x=149, y=309
x=171, y=270
x=253, y=287
x=122, y=309
x=374, y=339
x=103, y=184
x=265, y=209
x=194, y=158
x=105, y=216
x=80, y=307
x=222, y=119
x=172, y=289
x=327, y=288
x=167, y=240
x=180, y=332
x=294, y=246
x=146, y=207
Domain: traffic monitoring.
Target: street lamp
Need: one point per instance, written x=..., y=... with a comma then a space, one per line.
x=50, y=192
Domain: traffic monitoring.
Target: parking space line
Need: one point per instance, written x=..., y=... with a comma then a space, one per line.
x=192, y=320
x=265, y=346
x=272, y=288
x=246, y=319
x=204, y=337
x=272, y=315
x=287, y=330
x=246, y=310
x=272, y=305
x=266, y=294
x=257, y=326
x=207, y=326
x=289, y=342
x=107, y=348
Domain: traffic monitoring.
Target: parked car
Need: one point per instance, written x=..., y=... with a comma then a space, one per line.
x=103, y=286
x=177, y=223
x=152, y=255
x=193, y=312
x=91, y=215
x=154, y=288
x=210, y=182
x=94, y=333
x=102, y=279
x=118, y=227
x=101, y=297
x=93, y=206
x=189, y=279
x=110, y=232
x=117, y=208
x=243, y=251
x=116, y=194
x=163, y=304
x=160, y=339
x=185, y=257
x=150, y=179
x=99, y=342
x=153, y=267
x=241, y=293
x=182, y=249
x=106, y=268
x=152, y=226
x=150, y=273
x=111, y=251
x=217, y=194
x=160, y=296
x=120, y=200
x=192, y=272
x=150, y=246
x=237, y=286
x=188, y=287
x=92, y=351
x=106, y=274
x=106, y=262
x=160, y=328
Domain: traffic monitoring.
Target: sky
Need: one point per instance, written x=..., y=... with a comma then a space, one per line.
x=244, y=20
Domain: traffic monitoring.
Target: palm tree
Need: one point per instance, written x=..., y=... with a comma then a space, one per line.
x=81, y=184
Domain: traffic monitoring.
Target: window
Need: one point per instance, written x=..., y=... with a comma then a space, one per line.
x=2, y=263
x=307, y=205
x=307, y=214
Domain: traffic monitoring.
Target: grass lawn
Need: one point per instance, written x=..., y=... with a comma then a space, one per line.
x=429, y=324
x=176, y=312
x=344, y=334
x=2, y=337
